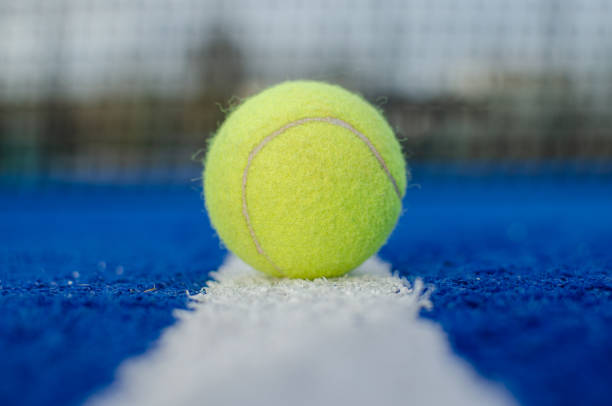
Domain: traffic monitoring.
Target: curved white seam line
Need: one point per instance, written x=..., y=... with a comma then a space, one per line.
x=265, y=141
x=371, y=146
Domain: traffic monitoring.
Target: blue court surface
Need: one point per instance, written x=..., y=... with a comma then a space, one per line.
x=519, y=257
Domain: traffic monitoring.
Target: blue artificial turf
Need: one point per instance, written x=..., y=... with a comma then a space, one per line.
x=522, y=269
x=90, y=275
x=520, y=261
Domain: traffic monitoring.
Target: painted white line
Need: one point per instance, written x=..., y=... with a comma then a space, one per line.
x=254, y=340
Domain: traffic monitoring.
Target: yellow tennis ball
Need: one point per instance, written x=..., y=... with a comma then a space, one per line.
x=304, y=180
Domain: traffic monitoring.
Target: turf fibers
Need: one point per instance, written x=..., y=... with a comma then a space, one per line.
x=519, y=258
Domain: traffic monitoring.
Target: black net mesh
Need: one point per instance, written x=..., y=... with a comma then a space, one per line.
x=131, y=89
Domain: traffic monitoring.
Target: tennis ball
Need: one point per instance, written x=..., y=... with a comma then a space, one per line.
x=304, y=180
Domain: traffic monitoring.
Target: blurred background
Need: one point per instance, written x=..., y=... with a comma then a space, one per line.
x=122, y=90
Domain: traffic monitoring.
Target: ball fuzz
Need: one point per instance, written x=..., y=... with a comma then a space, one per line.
x=304, y=180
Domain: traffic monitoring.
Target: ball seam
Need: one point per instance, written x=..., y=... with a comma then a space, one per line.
x=270, y=137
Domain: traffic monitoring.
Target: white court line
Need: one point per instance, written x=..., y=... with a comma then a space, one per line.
x=255, y=340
